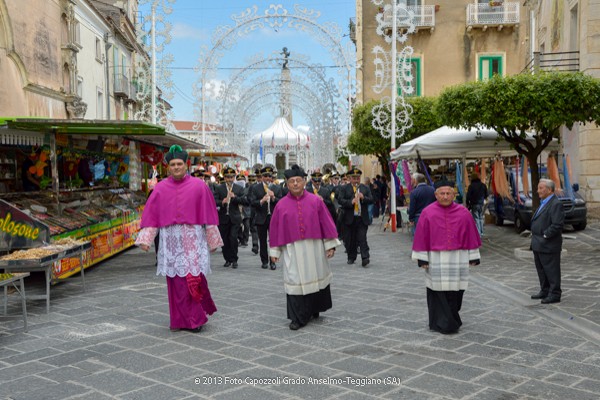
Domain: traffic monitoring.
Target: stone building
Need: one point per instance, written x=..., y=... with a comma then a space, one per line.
x=458, y=41
x=67, y=59
x=566, y=35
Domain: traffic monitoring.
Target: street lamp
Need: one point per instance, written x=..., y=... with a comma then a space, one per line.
x=388, y=79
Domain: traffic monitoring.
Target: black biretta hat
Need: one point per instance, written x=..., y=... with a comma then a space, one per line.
x=442, y=183
x=176, y=152
x=296, y=170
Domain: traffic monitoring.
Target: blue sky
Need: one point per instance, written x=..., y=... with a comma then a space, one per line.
x=194, y=22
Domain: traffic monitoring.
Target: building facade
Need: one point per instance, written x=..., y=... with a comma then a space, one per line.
x=566, y=35
x=458, y=41
x=67, y=59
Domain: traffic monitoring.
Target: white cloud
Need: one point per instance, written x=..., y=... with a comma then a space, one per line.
x=184, y=31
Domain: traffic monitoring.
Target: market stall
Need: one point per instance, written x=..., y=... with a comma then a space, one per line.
x=90, y=175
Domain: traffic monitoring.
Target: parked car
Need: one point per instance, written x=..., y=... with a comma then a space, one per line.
x=520, y=212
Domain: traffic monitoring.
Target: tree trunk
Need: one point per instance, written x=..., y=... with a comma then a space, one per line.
x=535, y=179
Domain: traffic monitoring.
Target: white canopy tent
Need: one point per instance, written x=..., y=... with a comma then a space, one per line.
x=451, y=143
x=463, y=144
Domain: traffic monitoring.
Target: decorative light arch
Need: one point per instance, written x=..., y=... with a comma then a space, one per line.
x=329, y=35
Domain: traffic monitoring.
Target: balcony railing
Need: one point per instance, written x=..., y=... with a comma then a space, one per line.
x=122, y=87
x=563, y=61
x=485, y=15
x=423, y=17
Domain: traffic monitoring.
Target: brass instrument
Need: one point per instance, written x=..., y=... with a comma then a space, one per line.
x=229, y=193
x=356, y=194
x=266, y=187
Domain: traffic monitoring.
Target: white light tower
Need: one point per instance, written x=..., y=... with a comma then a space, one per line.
x=393, y=74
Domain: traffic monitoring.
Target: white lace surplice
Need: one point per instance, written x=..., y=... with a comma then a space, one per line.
x=182, y=249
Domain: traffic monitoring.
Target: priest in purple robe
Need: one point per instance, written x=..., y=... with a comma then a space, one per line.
x=303, y=234
x=182, y=208
x=446, y=243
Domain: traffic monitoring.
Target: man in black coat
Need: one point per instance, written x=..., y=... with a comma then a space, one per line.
x=546, y=242
x=264, y=198
x=323, y=191
x=421, y=196
x=476, y=195
x=229, y=197
x=354, y=200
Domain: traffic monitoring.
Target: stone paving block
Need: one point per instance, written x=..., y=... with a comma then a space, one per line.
x=242, y=353
x=225, y=366
x=523, y=345
x=133, y=361
x=487, y=351
x=500, y=381
x=30, y=356
x=22, y=370
x=359, y=366
x=456, y=371
x=405, y=393
x=273, y=361
x=24, y=385
x=307, y=392
x=493, y=394
x=92, y=395
x=591, y=385
x=436, y=385
x=57, y=391
x=114, y=382
x=365, y=351
x=172, y=373
x=551, y=391
x=71, y=357
x=322, y=357
x=156, y=392
x=248, y=392
x=572, y=368
x=291, y=349
x=408, y=360
x=193, y=356
x=63, y=374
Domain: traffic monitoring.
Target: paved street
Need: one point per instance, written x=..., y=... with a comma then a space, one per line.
x=113, y=341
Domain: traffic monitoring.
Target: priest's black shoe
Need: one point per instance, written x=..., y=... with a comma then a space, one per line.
x=234, y=265
x=315, y=315
x=551, y=299
x=265, y=266
x=365, y=262
x=255, y=251
x=350, y=261
x=540, y=295
x=227, y=264
x=273, y=265
x=295, y=326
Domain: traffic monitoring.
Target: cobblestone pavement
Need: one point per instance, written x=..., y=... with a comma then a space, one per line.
x=112, y=341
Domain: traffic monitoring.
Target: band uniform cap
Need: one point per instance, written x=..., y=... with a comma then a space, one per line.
x=316, y=175
x=267, y=170
x=354, y=172
x=443, y=183
x=241, y=177
x=228, y=171
x=334, y=174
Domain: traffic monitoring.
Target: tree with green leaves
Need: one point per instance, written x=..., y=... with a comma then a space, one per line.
x=366, y=140
x=537, y=103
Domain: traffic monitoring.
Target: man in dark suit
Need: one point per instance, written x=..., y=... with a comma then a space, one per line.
x=546, y=242
x=316, y=186
x=421, y=196
x=264, y=198
x=253, y=180
x=354, y=200
x=228, y=198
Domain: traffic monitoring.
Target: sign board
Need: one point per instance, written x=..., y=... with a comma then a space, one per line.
x=19, y=230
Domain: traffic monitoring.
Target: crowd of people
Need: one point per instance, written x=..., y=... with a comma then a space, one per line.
x=301, y=221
